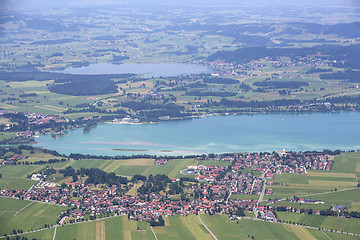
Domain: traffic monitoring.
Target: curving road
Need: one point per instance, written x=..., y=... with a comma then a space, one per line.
x=213, y=235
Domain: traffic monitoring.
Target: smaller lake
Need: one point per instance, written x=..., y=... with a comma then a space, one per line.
x=148, y=69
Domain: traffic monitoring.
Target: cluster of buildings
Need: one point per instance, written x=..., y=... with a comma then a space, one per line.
x=232, y=69
x=198, y=197
x=208, y=173
x=12, y=160
x=161, y=161
x=40, y=118
x=95, y=201
x=283, y=162
x=151, y=95
x=309, y=61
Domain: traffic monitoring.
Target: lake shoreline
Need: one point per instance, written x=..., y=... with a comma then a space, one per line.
x=217, y=134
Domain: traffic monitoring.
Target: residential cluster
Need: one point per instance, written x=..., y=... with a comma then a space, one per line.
x=210, y=192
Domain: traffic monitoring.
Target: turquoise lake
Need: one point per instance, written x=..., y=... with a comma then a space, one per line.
x=148, y=69
x=222, y=134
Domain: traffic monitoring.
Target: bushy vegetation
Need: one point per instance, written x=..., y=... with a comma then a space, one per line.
x=154, y=184
x=97, y=176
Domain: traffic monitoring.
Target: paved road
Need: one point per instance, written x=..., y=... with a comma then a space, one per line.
x=213, y=235
x=262, y=193
x=153, y=233
x=264, y=186
x=54, y=232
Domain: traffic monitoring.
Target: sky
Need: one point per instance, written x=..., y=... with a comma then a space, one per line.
x=60, y=3
x=316, y=6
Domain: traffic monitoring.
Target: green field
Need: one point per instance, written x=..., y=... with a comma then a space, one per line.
x=130, y=167
x=26, y=215
x=41, y=235
x=347, y=163
x=224, y=228
x=6, y=135
x=177, y=227
x=327, y=222
x=318, y=185
x=112, y=228
x=289, y=185
x=15, y=177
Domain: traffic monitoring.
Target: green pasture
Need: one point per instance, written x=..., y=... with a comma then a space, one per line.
x=347, y=163
x=15, y=183
x=130, y=167
x=19, y=171
x=6, y=135
x=339, y=236
x=327, y=222
x=79, y=231
x=43, y=234
x=15, y=177
x=26, y=215
x=112, y=228
x=37, y=155
x=288, y=185
x=289, y=191
x=224, y=228
x=177, y=227
x=349, y=198
x=291, y=178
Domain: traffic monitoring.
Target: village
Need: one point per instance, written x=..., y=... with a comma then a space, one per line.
x=209, y=192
